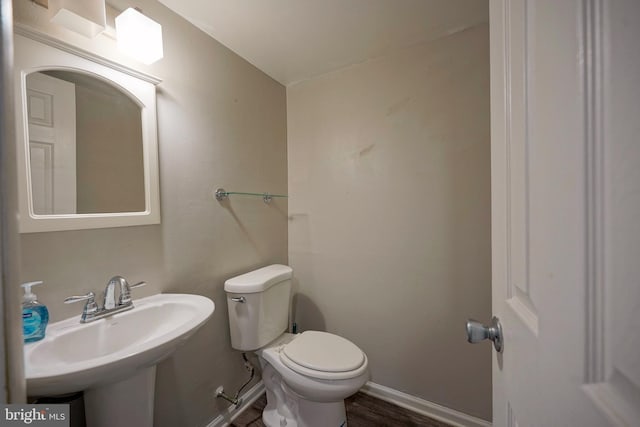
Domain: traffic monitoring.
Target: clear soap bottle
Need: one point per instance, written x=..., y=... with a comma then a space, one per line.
x=35, y=315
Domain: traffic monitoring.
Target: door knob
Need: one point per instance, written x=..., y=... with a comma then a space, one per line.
x=477, y=332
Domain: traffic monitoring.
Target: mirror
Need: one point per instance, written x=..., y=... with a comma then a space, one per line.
x=87, y=140
x=85, y=145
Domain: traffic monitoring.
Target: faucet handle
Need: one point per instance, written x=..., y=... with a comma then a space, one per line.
x=138, y=285
x=125, y=294
x=90, y=308
x=89, y=297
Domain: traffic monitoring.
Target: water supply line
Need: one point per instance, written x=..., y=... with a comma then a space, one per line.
x=235, y=399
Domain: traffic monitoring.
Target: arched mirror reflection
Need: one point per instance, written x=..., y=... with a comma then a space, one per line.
x=85, y=145
x=86, y=134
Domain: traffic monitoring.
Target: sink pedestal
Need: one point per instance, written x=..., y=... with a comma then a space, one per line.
x=128, y=403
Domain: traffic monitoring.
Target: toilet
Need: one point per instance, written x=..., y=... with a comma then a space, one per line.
x=307, y=376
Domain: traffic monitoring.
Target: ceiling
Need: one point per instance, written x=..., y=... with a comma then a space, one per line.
x=294, y=40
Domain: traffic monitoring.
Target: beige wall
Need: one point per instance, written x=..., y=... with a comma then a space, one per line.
x=221, y=122
x=389, y=233
x=109, y=159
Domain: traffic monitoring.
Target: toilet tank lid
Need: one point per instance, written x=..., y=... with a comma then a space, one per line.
x=258, y=280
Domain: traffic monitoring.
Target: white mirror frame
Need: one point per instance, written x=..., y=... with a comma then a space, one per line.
x=35, y=51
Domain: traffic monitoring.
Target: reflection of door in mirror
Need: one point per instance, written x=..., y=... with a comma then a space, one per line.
x=52, y=144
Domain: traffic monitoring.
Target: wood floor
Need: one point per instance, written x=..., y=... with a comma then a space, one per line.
x=362, y=411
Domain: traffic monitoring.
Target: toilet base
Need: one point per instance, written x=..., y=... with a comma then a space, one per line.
x=285, y=408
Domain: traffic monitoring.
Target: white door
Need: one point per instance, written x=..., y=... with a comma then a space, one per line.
x=565, y=102
x=51, y=108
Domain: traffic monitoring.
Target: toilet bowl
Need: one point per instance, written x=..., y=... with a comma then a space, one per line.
x=307, y=376
x=304, y=397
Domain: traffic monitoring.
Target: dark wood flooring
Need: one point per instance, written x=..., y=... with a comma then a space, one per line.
x=362, y=411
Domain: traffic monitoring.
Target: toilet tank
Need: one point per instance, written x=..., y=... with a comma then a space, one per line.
x=258, y=306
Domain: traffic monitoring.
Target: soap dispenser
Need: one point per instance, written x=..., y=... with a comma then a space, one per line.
x=35, y=316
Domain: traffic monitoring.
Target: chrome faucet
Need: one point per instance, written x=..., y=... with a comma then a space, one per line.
x=91, y=309
x=125, y=292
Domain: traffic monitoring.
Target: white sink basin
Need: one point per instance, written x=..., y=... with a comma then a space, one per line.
x=74, y=356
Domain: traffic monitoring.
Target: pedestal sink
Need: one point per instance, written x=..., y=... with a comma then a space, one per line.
x=113, y=359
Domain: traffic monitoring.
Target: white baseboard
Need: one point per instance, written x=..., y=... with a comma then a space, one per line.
x=232, y=411
x=412, y=403
x=424, y=407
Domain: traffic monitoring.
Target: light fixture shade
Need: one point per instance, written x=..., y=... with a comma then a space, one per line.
x=138, y=36
x=87, y=17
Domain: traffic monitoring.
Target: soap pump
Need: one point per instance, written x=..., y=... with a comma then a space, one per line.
x=35, y=315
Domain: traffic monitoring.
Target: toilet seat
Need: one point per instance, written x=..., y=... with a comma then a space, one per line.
x=323, y=355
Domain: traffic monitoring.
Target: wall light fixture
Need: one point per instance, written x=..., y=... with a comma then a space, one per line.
x=139, y=36
x=87, y=17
